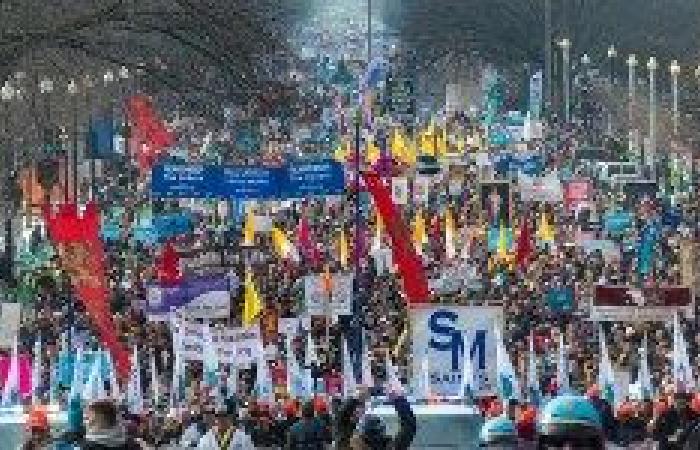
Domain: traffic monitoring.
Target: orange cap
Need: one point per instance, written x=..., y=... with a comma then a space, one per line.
x=695, y=403
x=37, y=420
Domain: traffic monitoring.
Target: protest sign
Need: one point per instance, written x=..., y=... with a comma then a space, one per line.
x=320, y=301
x=442, y=334
x=240, y=346
x=628, y=303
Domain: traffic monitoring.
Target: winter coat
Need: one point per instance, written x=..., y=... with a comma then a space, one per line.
x=402, y=441
x=239, y=441
x=109, y=439
x=306, y=434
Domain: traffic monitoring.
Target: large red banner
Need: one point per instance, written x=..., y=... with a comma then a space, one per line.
x=415, y=283
x=82, y=257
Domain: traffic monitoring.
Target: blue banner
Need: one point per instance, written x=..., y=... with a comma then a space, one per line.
x=183, y=181
x=246, y=182
x=560, y=299
x=314, y=178
x=100, y=140
x=617, y=222
x=296, y=180
x=529, y=164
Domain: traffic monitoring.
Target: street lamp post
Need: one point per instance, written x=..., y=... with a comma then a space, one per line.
x=631, y=96
x=6, y=94
x=675, y=70
x=73, y=91
x=565, y=45
x=612, y=54
x=652, y=65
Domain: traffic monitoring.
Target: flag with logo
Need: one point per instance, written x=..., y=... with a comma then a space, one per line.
x=606, y=374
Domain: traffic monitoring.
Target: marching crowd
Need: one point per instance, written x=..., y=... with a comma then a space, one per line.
x=515, y=252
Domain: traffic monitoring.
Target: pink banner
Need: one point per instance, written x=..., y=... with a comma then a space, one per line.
x=25, y=372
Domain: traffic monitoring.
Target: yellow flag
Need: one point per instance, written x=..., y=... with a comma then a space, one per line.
x=502, y=241
x=449, y=234
x=249, y=228
x=343, y=248
x=545, y=231
x=252, y=305
x=372, y=152
x=282, y=245
x=441, y=142
x=397, y=143
x=420, y=236
x=341, y=152
x=426, y=141
x=378, y=225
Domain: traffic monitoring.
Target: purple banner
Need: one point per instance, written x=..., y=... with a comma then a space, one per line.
x=205, y=297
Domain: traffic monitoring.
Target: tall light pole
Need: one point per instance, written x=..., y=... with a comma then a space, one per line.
x=73, y=91
x=565, y=45
x=675, y=70
x=547, y=54
x=7, y=92
x=631, y=97
x=612, y=54
x=652, y=65
x=369, y=32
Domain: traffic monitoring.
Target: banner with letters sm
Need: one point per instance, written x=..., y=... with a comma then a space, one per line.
x=205, y=297
x=240, y=346
x=443, y=334
x=294, y=180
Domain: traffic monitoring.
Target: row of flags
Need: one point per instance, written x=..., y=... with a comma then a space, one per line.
x=300, y=383
x=432, y=141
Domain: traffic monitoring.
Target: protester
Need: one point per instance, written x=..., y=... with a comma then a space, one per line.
x=309, y=432
x=105, y=431
x=39, y=431
x=371, y=433
x=226, y=434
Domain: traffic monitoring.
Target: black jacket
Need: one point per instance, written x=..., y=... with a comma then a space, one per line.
x=307, y=434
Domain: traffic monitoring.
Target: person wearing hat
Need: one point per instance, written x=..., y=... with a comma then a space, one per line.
x=226, y=434
x=38, y=427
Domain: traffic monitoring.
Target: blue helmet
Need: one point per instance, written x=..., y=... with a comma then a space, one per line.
x=498, y=431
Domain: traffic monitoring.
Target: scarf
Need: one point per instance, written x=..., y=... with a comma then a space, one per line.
x=224, y=440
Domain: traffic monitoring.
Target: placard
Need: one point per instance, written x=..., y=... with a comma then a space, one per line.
x=443, y=334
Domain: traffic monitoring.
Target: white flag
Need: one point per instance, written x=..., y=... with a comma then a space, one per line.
x=10, y=392
x=155, y=384
x=682, y=370
x=36, y=372
x=606, y=374
x=508, y=385
x=349, y=381
x=562, y=367
x=134, y=393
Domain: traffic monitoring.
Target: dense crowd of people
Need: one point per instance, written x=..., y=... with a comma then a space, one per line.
x=471, y=213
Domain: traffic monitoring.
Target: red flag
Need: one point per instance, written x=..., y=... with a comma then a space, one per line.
x=168, y=267
x=524, y=248
x=308, y=247
x=148, y=132
x=410, y=267
x=82, y=257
